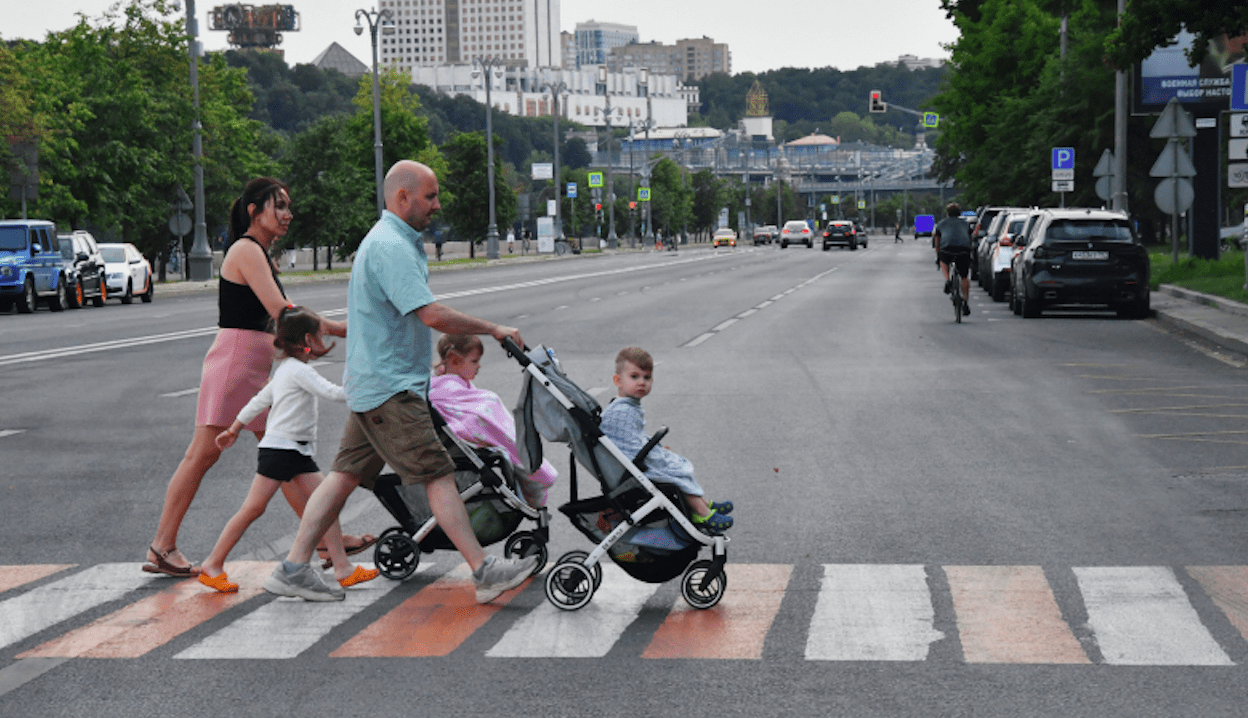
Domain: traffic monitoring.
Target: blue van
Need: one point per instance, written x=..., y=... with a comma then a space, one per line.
x=923, y=225
x=30, y=266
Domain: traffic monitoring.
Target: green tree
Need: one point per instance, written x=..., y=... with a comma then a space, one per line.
x=469, y=212
x=671, y=202
x=1149, y=24
x=326, y=183
x=708, y=196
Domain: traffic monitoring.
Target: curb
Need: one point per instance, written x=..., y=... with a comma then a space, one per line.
x=1212, y=332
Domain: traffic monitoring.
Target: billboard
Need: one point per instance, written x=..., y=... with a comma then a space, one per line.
x=1166, y=73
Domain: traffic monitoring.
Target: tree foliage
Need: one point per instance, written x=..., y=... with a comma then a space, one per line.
x=468, y=213
x=1149, y=24
x=112, y=101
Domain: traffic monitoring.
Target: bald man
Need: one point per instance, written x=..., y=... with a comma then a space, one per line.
x=390, y=312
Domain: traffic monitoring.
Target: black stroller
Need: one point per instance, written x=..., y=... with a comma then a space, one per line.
x=488, y=485
x=643, y=527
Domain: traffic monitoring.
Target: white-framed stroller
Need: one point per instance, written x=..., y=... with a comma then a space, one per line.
x=644, y=528
x=487, y=484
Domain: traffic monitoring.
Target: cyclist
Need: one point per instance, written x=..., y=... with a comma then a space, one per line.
x=952, y=239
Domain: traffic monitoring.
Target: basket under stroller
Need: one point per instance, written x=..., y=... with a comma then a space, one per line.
x=488, y=485
x=643, y=527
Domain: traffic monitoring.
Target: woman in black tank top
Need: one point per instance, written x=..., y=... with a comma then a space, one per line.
x=237, y=365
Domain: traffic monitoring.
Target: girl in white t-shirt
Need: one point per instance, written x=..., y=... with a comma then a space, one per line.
x=288, y=445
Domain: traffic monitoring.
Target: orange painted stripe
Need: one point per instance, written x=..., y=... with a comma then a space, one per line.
x=14, y=576
x=1007, y=614
x=1228, y=587
x=433, y=622
x=734, y=628
x=154, y=621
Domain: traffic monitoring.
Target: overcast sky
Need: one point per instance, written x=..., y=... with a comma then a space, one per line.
x=761, y=35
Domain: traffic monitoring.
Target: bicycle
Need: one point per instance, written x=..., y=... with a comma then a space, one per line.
x=955, y=291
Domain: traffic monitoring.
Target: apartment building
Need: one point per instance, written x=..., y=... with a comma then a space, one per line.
x=522, y=33
x=690, y=59
x=595, y=40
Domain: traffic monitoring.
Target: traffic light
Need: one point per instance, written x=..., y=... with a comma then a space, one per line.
x=598, y=206
x=876, y=102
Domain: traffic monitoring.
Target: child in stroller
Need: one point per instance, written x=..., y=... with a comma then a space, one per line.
x=478, y=416
x=642, y=527
x=624, y=422
x=480, y=437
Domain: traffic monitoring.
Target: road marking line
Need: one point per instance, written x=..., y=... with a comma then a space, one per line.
x=549, y=632
x=872, y=613
x=46, y=606
x=150, y=623
x=1228, y=587
x=1007, y=614
x=1193, y=434
x=176, y=394
x=1149, y=410
x=735, y=628
x=434, y=622
x=729, y=322
x=27, y=357
x=286, y=627
x=1141, y=617
x=11, y=432
x=14, y=576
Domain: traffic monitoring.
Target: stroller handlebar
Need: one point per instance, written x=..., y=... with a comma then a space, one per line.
x=515, y=351
x=640, y=459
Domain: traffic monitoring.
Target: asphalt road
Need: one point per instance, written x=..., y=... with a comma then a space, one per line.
x=999, y=517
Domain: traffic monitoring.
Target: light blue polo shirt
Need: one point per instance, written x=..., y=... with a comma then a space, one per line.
x=389, y=350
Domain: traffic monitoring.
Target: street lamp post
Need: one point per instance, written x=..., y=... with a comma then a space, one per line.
x=381, y=20
x=632, y=185
x=613, y=242
x=199, y=262
x=554, y=89
x=487, y=65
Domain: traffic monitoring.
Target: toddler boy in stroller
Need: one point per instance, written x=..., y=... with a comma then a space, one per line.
x=624, y=422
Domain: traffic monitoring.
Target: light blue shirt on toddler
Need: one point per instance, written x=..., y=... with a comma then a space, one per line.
x=624, y=423
x=389, y=350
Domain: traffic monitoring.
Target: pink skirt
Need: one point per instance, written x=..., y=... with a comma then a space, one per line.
x=236, y=368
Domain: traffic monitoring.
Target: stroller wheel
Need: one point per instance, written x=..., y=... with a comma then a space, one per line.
x=579, y=557
x=524, y=544
x=396, y=555
x=699, y=592
x=569, y=586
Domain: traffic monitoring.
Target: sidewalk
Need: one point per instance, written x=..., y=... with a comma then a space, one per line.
x=1214, y=319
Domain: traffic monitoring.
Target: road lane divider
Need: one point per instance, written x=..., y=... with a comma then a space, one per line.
x=708, y=334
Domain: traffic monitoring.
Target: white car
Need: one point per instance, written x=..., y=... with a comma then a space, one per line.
x=128, y=272
x=796, y=231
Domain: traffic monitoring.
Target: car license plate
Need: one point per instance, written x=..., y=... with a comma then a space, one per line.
x=1089, y=255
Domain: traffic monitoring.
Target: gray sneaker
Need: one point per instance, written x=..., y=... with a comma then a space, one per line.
x=499, y=574
x=304, y=583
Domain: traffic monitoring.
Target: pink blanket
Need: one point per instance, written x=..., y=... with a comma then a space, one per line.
x=480, y=418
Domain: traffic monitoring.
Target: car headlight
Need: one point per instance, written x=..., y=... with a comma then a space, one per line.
x=6, y=271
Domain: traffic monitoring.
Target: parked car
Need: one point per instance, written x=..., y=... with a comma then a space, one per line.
x=1003, y=246
x=766, y=234
x=979, y=223
x=923, y=225
x=84, y=269
x=31, y=268
x=841, y=233
x=1082, y=257
x=796, y=231
x=128, y=272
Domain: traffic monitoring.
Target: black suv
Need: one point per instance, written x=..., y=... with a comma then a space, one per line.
x=84, y=269
x=841, y=232
x=1082, y=256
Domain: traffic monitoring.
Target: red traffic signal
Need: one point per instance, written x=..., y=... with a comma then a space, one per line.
x=876, y=102
x=598, y=206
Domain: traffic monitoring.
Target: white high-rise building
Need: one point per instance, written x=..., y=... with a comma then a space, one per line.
x=521, y=33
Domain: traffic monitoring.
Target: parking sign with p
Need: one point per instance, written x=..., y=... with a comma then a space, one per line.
x=1063, y=163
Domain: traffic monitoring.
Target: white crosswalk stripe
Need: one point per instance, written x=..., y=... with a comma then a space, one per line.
x=549, y=632
x=1142, y=617
x=872, y=613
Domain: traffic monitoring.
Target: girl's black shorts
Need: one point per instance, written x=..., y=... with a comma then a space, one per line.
x=284, y=464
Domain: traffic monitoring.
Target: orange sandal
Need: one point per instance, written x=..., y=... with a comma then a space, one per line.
x=359, y=575
x=218, y=582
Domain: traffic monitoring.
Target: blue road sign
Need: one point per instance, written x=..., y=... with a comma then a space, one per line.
x=643, y=194
x=595, y=179
x=1063, y=158
x=1239, y=86
x=572, y=190
x=931, y=119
